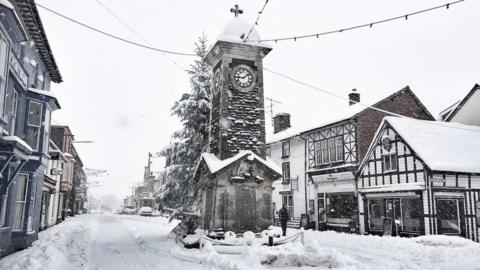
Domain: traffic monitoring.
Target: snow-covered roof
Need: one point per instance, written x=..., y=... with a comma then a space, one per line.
x=42, y=92
x=215, y=164
x=237, y=30
x=443, y=146
x=331, y=118
x=15, y=139
x=6, y=3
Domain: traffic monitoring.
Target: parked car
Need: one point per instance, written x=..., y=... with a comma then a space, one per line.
x=128, y=210
x=145, y=211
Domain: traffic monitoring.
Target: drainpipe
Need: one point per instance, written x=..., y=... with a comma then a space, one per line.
x=305, y=174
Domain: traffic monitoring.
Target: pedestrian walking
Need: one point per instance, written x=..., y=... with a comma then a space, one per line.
x=284, y=217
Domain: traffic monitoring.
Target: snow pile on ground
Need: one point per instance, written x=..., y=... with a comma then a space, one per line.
x=60, y=247
x=93, y=242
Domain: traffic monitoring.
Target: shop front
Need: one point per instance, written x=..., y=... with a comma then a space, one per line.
x=397, y=214
x=336, y=202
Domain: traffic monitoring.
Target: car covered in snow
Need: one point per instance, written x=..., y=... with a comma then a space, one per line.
x=145, y=211
x=128, y=210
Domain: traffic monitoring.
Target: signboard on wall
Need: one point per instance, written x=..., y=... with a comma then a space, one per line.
x=333, y=177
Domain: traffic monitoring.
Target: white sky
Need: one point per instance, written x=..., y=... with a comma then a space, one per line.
x=119, y=96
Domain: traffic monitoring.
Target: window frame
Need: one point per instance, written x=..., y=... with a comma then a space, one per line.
x=33, y=126
x=3, y=208
x=23, y=203
x=285, y=149
x=389, y=157
x=286, y=172
x=4, y=76
x=329, y=150
x=31, y=207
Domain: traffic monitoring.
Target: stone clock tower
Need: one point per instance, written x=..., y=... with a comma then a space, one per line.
x=235, y=177
x=238, y=116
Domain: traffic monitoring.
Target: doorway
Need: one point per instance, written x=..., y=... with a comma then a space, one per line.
x=287, y=200
x=394, y=211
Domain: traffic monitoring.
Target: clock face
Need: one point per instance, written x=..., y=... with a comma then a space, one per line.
x=243, y=77
x=217, y=81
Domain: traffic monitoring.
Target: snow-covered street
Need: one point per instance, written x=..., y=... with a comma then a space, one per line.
x=133, y=242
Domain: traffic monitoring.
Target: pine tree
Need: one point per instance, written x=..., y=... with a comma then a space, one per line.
x=183, y=154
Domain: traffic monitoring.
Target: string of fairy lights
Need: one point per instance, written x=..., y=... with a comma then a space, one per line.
x=287, y=77
x=259, y=14
x=350, y=28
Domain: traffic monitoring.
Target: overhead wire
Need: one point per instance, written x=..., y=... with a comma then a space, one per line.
x=256, y=21
x=112, y=35
x=365, y=25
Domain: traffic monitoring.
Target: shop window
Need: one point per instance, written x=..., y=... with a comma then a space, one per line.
x=341, y=205
x=20, y=200
x=31, y=208
x=321, y=207
x=268, y=152
x=411, y=214
x=286, y=149
x=448, y=215
x=376, y=214
x=389, y=162
x=478, y=213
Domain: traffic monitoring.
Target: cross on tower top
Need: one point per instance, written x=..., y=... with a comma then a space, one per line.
x=236, y=11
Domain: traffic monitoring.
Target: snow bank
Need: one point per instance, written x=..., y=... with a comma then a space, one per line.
x=60, y=247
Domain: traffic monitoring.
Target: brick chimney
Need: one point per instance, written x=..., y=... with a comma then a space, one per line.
x=281, y=121
x=353, y=97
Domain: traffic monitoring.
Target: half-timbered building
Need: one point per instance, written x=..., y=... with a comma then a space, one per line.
x=325, y=156
x=420, y=178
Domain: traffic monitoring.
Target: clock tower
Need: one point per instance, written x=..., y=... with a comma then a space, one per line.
x=235, y=177
x=237, y=115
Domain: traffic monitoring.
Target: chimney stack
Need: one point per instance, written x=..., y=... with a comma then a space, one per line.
x=281, y=121
x=354, y=97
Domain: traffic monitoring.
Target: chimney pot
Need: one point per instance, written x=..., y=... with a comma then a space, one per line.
x=281, y=121
x=354, y=97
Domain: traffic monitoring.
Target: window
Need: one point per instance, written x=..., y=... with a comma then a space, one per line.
x=448, y=215
x=3, y=71
x=341, y=205
x=34, y=123
x=329, y=150
x=286, y=149
x=389, y=162
x=13, y=119
x=268, y=152
x=31, y=209
x=20, y=200
x=376, y=213
x=286, y=172
x=411, y=214
x=46, y=137
x=3, y=209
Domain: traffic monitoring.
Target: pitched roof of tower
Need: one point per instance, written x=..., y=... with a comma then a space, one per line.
x=215, y=164
x=236, y=30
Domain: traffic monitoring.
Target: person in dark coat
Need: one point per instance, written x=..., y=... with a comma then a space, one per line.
x=284, y=217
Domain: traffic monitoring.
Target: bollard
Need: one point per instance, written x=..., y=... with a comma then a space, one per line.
x=270, y=240
x=302, y=237
x=201, y=240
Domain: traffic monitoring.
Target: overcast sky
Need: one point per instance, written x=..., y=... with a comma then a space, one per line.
x=120, y=96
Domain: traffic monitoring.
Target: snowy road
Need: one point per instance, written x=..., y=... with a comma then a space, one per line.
x=104, y=242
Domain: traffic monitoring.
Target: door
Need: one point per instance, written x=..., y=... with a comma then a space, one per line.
x=394, y=211
x=245, y=205
x=287, y=200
